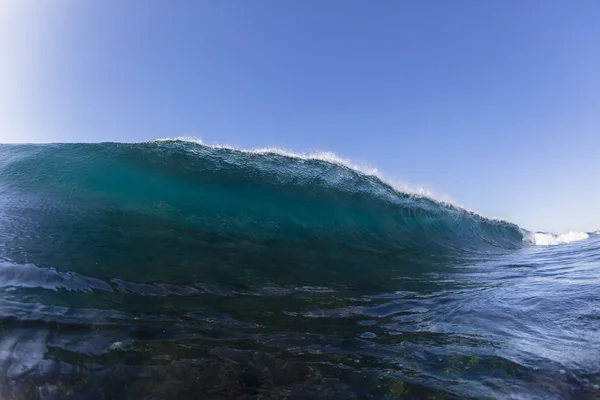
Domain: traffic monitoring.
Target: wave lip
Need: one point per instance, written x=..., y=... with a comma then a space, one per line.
x=331, y=158
x=550, y=239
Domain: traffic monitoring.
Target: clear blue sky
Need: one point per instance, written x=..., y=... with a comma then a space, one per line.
x=496, y=103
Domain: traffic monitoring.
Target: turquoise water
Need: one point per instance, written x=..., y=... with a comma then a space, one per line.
x=175, y=270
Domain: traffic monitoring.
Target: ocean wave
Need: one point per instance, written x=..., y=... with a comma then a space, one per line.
x=272, y=273
x=262, y=193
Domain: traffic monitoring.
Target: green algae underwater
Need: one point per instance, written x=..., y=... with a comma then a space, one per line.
x=171, y=269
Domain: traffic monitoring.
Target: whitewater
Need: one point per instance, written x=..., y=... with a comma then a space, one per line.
x=174, y=269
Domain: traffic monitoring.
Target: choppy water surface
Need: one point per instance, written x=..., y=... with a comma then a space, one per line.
x=176, y=270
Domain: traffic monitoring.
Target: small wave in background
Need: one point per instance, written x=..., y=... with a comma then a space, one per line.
x=548, y=239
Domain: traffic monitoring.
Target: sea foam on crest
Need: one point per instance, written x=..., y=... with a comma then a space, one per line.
x=550, y=239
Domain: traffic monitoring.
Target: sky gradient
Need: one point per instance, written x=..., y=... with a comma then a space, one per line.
x=494, y=103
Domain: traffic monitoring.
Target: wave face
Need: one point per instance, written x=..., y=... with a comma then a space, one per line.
x=264, y=273
x=262, y=195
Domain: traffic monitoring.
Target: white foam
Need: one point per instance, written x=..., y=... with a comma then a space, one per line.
x=550, y=239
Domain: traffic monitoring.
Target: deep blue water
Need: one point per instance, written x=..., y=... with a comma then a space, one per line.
x=171, y=270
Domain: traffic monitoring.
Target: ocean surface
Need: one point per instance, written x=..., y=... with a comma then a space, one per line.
x=175, y=270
